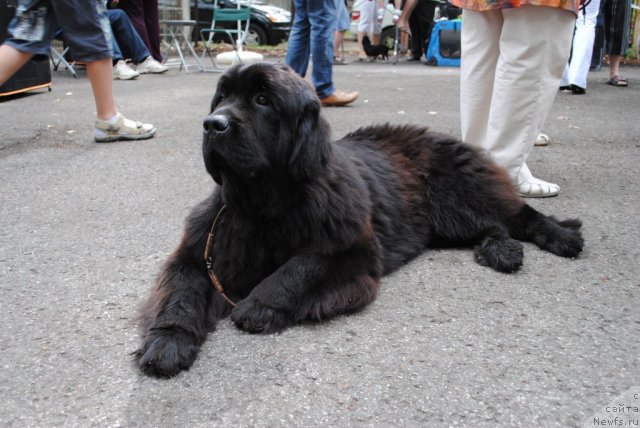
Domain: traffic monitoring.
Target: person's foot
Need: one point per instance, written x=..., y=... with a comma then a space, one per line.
x=123, y=72
x=578, y=90
x=121, y=128
x=536, y=188
x=618, y=81
x=339, y=98
x=339, y=60
x=150, y=65
x=531, y=187
x=542, y=140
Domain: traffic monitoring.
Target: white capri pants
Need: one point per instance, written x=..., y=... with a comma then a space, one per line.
x=512, y=61
x=368, y=22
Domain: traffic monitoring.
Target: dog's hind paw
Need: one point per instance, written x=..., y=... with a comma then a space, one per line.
x=568, y=243
x=167, y=351
x=254, y=317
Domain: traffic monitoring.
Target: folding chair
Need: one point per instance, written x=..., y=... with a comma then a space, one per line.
x=178, y=31
x=221, y=15
x=58, y=58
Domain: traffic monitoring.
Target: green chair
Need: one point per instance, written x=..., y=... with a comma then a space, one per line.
x=241, y=16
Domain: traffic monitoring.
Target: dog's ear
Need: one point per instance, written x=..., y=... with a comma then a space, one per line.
x=311, y=143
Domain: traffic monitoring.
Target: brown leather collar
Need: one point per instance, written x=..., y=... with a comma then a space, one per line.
x=208, y=258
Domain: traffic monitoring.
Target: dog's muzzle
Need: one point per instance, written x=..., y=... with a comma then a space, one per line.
x=216, y=124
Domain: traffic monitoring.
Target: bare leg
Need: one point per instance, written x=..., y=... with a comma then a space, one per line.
x=403, y=22
x=361, y=53
x=614, y=65
x=11, y=60
x=100, y=74
x=338, y=37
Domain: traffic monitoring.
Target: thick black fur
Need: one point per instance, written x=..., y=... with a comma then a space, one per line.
x=311, y=226
x=375, y=51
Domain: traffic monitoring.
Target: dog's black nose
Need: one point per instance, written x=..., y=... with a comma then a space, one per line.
x=216, y=123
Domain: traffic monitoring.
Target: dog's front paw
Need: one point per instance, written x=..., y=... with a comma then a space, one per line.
x=167, y=351
x=254, y=317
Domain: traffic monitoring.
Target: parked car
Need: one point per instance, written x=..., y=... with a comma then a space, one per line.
x=269, y=25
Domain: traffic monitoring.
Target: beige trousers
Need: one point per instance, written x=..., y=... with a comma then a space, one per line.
x=512, y=62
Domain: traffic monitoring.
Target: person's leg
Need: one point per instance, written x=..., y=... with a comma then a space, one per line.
x=415, y=27
x=377, y=26
x=152, y=22
x=614, y=65
x=100, y=75
x=111, y=125
x=121, y=69
x=90, y=42
x=127, y=36
x=117, y=52
x=375, y=38
x=134, y=47
x=299, y=49
x=362, y=55
x=617, y=15
x=322, y=16
x=480, y=51
x=135, y=11
x=582, y=49
x=365, y=25
x=30, y=33
x=11, y=60
x=534, y=47
x=407, y=10
x=342, y=25
x=337, y=43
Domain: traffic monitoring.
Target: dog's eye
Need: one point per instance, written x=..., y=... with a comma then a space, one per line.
x=262, y=100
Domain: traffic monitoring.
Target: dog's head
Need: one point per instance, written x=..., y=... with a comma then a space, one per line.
x=264, y=126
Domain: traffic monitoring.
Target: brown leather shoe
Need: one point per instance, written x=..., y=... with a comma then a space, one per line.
x=339, y=98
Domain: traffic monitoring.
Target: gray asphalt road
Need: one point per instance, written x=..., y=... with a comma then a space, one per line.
x=84, y=228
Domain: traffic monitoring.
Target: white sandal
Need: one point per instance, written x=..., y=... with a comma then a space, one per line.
x=531, y=187
x=122, y=129
x=536, y=188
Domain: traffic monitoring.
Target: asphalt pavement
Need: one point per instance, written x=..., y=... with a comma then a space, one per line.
x=84, y=228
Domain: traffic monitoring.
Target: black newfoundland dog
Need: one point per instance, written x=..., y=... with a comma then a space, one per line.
x=300, y=228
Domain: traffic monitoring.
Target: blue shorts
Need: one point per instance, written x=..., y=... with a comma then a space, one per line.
x=343, y=19
x=84, y=23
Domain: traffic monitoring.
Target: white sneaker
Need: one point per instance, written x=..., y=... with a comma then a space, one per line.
x=150, y=65
x=123, y=72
